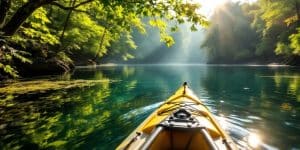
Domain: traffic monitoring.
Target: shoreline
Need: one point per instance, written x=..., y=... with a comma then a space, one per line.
x=176, y=64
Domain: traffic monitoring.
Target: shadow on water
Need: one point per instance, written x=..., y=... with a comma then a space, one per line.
x=259, y=101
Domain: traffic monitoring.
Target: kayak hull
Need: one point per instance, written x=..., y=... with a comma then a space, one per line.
x=188, y=136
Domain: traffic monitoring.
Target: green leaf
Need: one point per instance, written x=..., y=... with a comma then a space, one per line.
x=193, y=28
x=10, y=70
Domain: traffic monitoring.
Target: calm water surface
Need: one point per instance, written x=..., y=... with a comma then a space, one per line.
x=260, y=100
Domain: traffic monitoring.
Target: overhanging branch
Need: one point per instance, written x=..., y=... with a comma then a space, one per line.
x=72, y=7
x=4, y=7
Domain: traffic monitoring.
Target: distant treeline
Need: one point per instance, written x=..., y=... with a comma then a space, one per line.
x=262, y=32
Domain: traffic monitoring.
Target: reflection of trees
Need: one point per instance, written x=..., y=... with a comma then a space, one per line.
x=252, y=87
x=83, y=117
x=290, y=81
x=93, y=116
x=53, y=119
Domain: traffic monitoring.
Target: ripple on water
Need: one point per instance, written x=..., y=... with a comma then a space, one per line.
x=244, y=138
x=254, y=117
x=140, y=111
x=241, y=119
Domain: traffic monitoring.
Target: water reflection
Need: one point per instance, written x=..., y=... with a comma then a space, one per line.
x=244, y=138
x=249, y=100
x=52, y=120
x=254, y=140
x=268, y=97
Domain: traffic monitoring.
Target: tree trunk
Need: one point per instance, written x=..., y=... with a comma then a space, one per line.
x=21, y=15
x=100, y=45
x=297, y=12
x=4, y=7
x=67, y=21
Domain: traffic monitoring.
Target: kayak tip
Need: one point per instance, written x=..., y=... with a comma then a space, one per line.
x=184, y=83
x=184, y=87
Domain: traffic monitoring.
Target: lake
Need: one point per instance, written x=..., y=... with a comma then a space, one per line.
x=100, y=113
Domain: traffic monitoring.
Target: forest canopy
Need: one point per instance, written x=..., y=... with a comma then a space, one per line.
x=265, y=31
x=51, y=36
x=54, y=33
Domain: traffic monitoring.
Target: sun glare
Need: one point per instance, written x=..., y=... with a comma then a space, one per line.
x=212, y=3
x=208, y=6
x=254, y=140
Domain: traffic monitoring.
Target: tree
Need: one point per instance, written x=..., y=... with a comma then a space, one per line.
x=272, y=37
x=230, y=38
x=111, y=18
x=279, y=20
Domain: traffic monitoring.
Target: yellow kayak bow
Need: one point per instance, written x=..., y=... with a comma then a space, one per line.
x=181, y=122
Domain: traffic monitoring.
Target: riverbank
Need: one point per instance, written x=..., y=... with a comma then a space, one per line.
x=52, y=68
x=176, y=64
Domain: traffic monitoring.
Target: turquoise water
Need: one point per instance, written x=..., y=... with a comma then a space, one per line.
x=251, y=99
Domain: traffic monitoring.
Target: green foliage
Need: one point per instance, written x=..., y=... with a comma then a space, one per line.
x=162, y=26
x=231, y=39
x=282, y=48
x=84, y=35
x=295, y=42
x=21, y=55
x=35, y=31
x=7, y=57
x=34, y=34
x=277, y=25
x=9, y=69
x=122, y=49
x=56, y=32
x=293, y=48
x=167, y=39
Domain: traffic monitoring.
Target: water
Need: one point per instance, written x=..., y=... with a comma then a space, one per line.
x=253, y=99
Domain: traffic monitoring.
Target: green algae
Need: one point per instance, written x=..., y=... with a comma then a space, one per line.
x=40, y=86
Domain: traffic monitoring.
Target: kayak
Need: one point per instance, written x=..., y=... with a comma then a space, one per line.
x=181, y=122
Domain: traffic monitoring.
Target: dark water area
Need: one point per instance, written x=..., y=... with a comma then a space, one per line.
x=257, y=99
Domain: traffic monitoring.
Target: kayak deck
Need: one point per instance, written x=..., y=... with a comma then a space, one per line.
x=181, y=122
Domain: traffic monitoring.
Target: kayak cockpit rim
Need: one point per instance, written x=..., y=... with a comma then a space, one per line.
x=158, y=124
x=182, y=115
